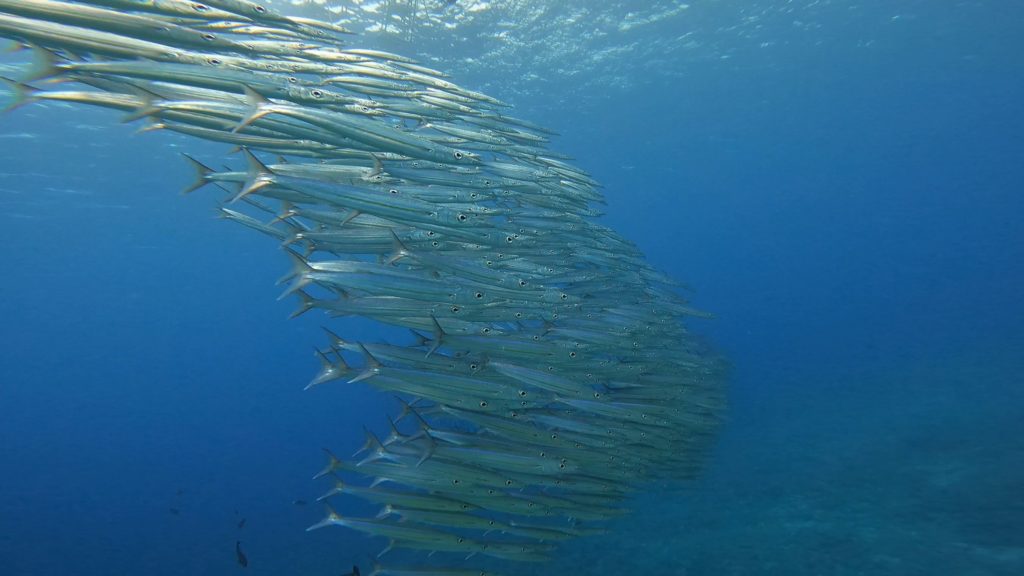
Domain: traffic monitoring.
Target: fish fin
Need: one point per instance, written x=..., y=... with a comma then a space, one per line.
x=332, y=518
x=299, y=266
x=330, y=370
x=152, y=125
x=148, y=108
x=388, y=548
x=373, y=366
x=288, y=210
x=438, y=336
x=352, y=215
x=421, y=340
x=333, y=463
x=428, y=449
x=406, y=409
x=396, y=434
x=306, y=303
x=336, y=341
x=259, y=105
x=258, y=176
x=23, y=93
x=339, y=487
x=372, y=443
x=400, y=249
x=386, y=511
x=44, y=64
x=202, y=174
x=378, y=167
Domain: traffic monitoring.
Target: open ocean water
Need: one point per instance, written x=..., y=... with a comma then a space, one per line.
x=839, y=182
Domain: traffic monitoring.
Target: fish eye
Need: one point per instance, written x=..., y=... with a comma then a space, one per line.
x=597, y=395
x=209, y=37
x=519, y=314
x=462, y=217
x=554, y=436
x=508, y=482
x=461, y=540
x=260, y=9
x=393, y=191
x=293, y=79
x=317, y=93
x=215, y=61
x=200, y=7
x=483, y=404
x=430, y=233
x=522, y=393
x=455, y=309
x=458, y=155
x=564, y=296
x=435, y=243
x=479, y=295
x=473, y=366
x=456, y=481
x=486, y=330
x=572, y=354
x=473, y=195
x=522, y=283
x=509, y=239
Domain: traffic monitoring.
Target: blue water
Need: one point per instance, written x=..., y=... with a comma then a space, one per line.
x=847, y=201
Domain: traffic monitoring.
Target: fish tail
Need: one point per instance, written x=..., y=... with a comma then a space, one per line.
x=259, y=176
x=202, y=174
x=44, y=64
x=23, y=93
x=332, y=518
x=259, y=106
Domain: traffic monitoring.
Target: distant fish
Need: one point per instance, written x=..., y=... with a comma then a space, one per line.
x=242, y=560
x=299, y=502
x=241, y=523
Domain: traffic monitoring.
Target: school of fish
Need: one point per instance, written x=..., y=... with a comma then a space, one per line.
x=544, y=371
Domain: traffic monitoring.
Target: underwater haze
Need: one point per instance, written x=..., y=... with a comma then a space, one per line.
x=837, y=182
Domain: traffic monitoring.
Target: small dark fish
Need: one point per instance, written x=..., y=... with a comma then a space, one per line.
x=242, y=560
x=299, y=502
x=241, y=523
x=174, y=511
x=354, y=572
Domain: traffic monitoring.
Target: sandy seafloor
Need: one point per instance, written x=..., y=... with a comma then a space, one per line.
x=839, y=182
